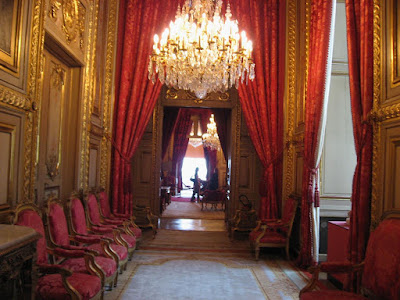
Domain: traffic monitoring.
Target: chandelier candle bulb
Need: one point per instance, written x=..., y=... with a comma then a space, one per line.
x=200, y=51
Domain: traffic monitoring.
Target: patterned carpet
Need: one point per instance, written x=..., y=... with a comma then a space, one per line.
x=205, y=265
x=190, y=210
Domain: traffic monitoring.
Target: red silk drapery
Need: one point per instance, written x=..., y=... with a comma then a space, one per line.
x=320, y=28
x=169, y=122
x=262, y=99
x=181, y=140
x=136, y=96
x=359, y=14
x=221, y=119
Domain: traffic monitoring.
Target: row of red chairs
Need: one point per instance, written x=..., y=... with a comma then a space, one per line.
x=83, y=246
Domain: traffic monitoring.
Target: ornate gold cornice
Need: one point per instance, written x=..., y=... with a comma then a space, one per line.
x=108, y=92
x=378, y=114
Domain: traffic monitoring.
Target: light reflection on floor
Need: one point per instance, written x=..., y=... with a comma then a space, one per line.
x=192, y=224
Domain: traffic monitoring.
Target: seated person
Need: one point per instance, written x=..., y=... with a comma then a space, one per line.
x=212, y=184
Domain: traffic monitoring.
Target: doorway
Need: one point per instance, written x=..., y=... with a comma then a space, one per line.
x=186, y=153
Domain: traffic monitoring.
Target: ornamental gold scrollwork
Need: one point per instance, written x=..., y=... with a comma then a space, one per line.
x=57, y=76
x=70, y=19
x=54, y=7
x=385, y=113
x=174, y=94
x=53, y=166
x=81, y=25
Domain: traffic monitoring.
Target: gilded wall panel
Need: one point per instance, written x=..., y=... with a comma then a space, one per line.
x=392, y=55
x=11, y=158
x=385, y=116
x=66, y=22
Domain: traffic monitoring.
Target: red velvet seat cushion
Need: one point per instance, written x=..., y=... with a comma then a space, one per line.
x=93, y=209
x=50, y=286
x=108, y=265
x=31, y=218
x=137, y=231
x=381, y=273
x=120, y=250
x=58, y=225
x=330, y=295
x=78, y=216
x=269, y=237
x=131, y=240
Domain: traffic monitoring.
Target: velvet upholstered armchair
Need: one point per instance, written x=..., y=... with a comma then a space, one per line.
x=59, y=238
x=275, y=233
x=97, y=225
x=115, y=218
x=77, y=222
x=57, y=281
x=380, y=270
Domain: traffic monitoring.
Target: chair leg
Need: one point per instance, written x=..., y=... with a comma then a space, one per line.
x=116, y=280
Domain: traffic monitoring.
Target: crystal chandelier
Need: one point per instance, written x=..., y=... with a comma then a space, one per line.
x=210, y=138
x=202, y=52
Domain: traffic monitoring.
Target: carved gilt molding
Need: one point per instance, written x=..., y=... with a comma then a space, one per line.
x=291, y=96
x=378, y=114
x=87, y=97
x=105, y=159
x=31, y=121
x=70, y=14
x=15, y=99
x=382, y=113
x=174, y=94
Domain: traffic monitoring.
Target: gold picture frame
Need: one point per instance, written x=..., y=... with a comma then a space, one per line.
x=10, y=34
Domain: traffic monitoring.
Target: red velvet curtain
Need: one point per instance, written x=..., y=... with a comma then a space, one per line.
x=169, y=121
x=181, y=141
x=136, y=96
x=320, y=28
x=262, y=99
x=221, y=119
x=359, y=14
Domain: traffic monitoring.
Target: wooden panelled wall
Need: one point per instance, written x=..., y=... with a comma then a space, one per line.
x=56, y=78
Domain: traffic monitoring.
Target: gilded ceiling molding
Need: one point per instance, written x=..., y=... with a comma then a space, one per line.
x=379, y=114
x=87, y=98
x=291, y=97
x=105, y=158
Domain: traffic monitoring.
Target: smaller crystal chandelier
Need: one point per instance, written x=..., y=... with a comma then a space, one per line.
x=210, y=138
x=202, y=51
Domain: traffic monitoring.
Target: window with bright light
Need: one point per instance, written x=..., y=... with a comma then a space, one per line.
x=188, y=168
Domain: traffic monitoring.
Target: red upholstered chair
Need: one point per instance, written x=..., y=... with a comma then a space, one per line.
x=213, y=197
x=97, y=226
x=78, y=229
x=56, y=282
x=58, y=237
x=275, y=233
x=108, y=217
x=380, y=269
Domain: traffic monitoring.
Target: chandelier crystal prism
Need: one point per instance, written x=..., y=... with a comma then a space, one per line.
x=210, y=138
x=201, y=51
